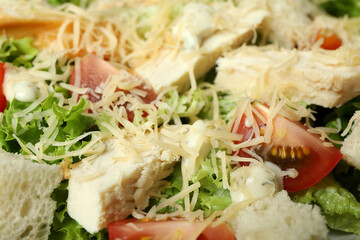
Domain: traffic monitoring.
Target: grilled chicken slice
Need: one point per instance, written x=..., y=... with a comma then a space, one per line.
x=203, y=38
x=322, y=77
x=112, y=185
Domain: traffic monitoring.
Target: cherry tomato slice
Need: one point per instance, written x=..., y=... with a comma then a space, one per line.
x=331, y=41
x=94, y=73
x=292, y=146
x=131, y=229
x=2, y=96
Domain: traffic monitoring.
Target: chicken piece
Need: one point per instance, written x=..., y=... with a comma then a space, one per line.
x=322, y=77
x=204, y=39
x=109, y=187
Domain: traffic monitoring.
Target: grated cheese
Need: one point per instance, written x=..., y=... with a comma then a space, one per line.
x=351, y=121
x=100, y=30
x=178, y=196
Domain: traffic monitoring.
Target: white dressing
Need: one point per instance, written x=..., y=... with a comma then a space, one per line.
x=257, y=181
x=25, y=91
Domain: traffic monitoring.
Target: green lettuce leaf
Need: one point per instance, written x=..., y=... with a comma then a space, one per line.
x=197, y=104
x=80, y=3
x=18, y=52
x=339, y=200
x=212, y=196
x=71, y=124
x=186, y=105
x=227, y=106
x=340, y=208
x=340, y=8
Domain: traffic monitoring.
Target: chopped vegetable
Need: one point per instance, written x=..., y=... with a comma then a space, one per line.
x=330, y=41
x=80, y=3
x=340, y=208
x=340, y=8
x=19, y=52
x=131, y=229
x=291, y=146
x=212, y=196
x=69, y=124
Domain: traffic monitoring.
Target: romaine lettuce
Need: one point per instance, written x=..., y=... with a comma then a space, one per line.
x=188, y=104
x=197, y=104
x=70, y=124
x=80, y=3
x=212, y=196
x=338, y=195
x=340, y=208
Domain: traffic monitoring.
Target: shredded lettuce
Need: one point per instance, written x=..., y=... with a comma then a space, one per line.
x=227, y=107
x=212, y=196
x=197, y=104
x=186, y=105
x=80, y=3
x=18, y=52
x=340, y=208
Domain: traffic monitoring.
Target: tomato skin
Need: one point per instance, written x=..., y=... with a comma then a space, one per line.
x=161, y=230
x=246, y=132
x=311, y=167
x=94, y=73
x=2, y=96
x=222, y=231
x=331, y=41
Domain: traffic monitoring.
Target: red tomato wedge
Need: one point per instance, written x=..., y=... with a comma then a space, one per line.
x=131, y=229
x=2, y=96
x=95, y=71
x=292, y=146
x=331, y=41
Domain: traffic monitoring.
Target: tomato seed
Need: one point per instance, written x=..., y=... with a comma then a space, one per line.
x=306, y=150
